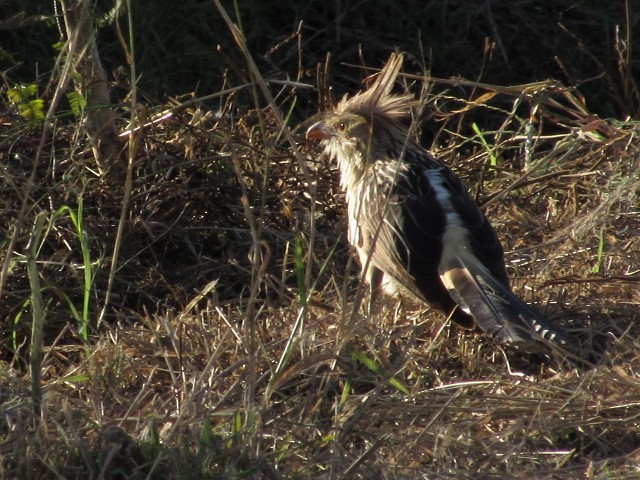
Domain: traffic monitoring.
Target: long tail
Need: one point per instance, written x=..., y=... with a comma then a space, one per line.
x=496, y=309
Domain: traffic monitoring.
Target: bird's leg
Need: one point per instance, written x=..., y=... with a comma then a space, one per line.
x=375, y=284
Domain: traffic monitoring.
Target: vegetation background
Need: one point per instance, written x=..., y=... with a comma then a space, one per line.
x=191, y=310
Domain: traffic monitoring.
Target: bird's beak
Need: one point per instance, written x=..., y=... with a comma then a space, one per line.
x=319, y=131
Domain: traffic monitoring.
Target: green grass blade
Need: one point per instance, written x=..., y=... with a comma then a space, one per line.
x=376, y=368
x=493, y=160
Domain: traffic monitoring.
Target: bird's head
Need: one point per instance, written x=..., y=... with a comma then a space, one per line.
x=366, y=126
x=341, y=127
x=346, y=137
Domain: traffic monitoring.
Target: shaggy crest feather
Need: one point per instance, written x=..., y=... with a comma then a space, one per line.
x=377, y=100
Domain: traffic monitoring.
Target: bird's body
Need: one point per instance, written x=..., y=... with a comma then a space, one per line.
x=416, y=229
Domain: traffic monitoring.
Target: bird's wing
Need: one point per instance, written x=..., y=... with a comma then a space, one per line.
x=409, y=243
x=376, y=230
x=401, y=230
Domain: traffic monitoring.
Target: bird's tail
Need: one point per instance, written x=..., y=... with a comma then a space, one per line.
x=496, y=309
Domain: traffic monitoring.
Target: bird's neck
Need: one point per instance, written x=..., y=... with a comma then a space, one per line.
x=351, y=163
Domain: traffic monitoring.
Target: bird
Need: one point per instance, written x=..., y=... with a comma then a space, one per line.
x=416, y=229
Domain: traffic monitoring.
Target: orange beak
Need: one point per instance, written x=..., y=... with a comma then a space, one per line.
x=319, y=131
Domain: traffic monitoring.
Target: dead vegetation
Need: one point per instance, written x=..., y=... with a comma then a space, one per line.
x=230, y=346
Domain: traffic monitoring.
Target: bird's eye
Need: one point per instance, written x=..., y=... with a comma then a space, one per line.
x=342, y=126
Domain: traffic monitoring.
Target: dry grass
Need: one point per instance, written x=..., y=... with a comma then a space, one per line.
x=198, y=371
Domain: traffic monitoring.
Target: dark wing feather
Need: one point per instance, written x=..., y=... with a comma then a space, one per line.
x=426, y=218
x=406, y=222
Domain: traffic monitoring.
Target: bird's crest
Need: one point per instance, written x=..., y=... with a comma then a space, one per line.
x=377, y=101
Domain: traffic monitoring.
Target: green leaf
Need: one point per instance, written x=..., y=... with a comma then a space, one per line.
x=77, y=103
x=395, y=383
x=493, y=160
x=346, y=391
x=22, y=93
x=31, y=109
x=601, y=245
x=328, y=438
x=283, y=448
x=300, y=271
x=77, y=378
x=15, y=95
x=370, y=363
x=206, y=434
x=375, y=367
